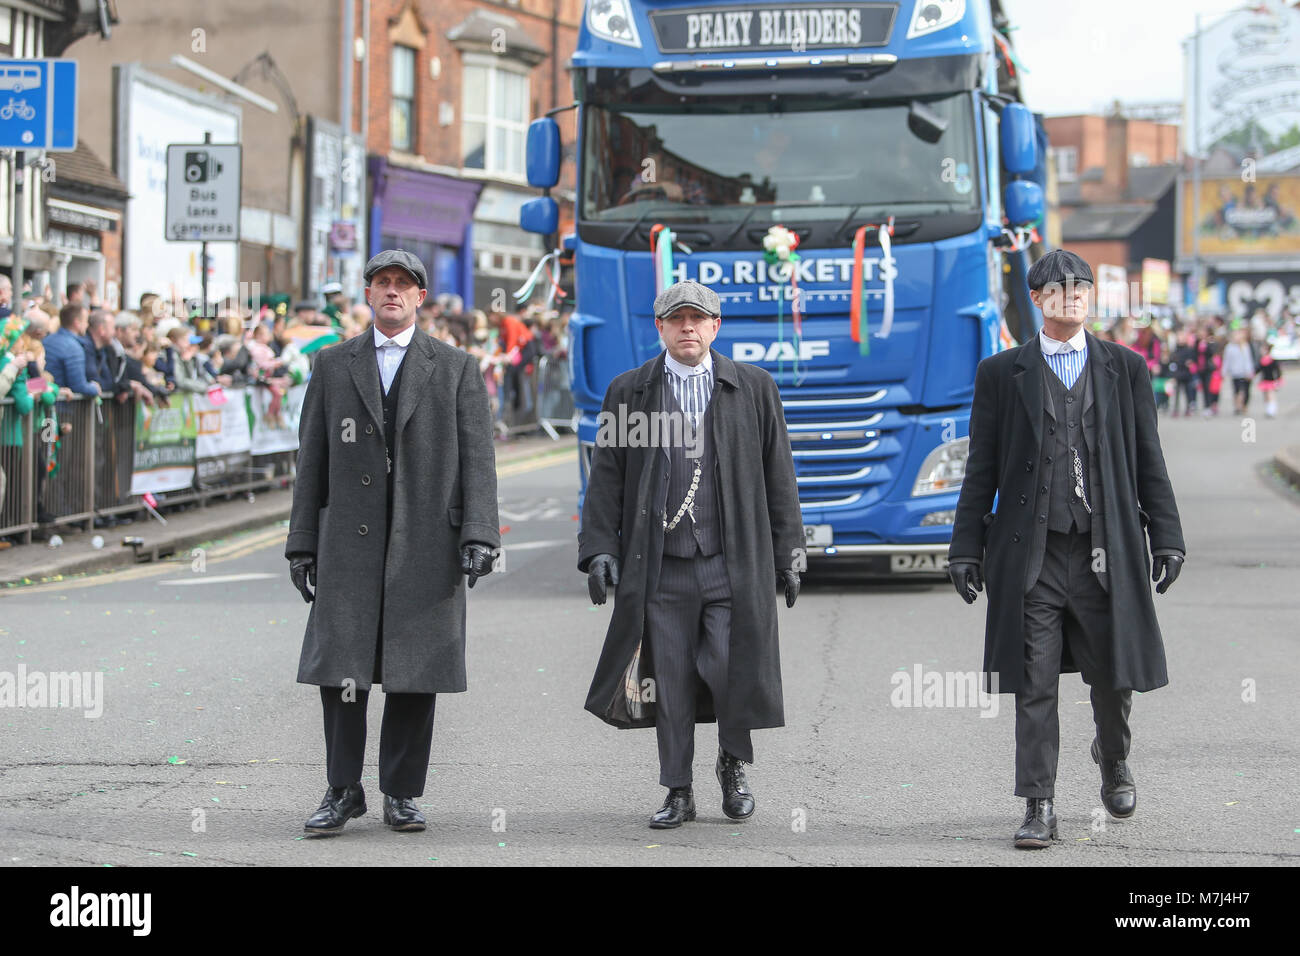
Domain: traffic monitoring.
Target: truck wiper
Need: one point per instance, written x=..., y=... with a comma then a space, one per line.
x=653, y=211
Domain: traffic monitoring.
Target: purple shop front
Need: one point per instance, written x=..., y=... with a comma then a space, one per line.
x=429, y=215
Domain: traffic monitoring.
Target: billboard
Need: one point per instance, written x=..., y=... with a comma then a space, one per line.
x=1249, y=90
x=153, y=113
x=1243, y=218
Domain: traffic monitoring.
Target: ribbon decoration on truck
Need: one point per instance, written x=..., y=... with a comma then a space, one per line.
x=525, y=291
x=779, y=247
x=858, y=306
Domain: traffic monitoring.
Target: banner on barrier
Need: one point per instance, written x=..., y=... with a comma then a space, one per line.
x=225, y=437
x=274, y=419
x=165, y=440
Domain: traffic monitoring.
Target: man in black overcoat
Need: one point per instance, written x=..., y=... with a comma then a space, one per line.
x=1063, y=431
x=691, y=522
x=395, y=500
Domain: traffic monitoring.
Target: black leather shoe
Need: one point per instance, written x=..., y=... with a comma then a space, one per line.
x=340, y=805
x=1039, y=828
x=678, y=808
x=1118, y=791
x=401, y=813
x=737, y=801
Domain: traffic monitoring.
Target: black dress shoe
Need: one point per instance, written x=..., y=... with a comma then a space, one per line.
x=340, y=805
x=678, y=808
x=1039, y=828
x=1118, y=791
x=401, y=813
x=737, y=801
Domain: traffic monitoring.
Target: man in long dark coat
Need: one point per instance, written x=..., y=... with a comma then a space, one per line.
x=1063, y=429
x=691, y=522
x=395, y=499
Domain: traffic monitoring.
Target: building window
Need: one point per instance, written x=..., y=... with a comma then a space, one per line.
x=1067, y=164
x=402, y=110
x=494, y=117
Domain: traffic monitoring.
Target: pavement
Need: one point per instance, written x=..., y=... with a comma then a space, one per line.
x=1287, y=462
x=82, y=552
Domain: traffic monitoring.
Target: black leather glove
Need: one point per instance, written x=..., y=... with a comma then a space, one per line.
x=302, y=569
x=789, y=580
x=966, y=578
x=1170, y=565
x=475, y=561
x=602, y=569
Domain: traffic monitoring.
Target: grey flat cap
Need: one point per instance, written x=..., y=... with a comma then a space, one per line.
x=687, y=292
x=400, y=258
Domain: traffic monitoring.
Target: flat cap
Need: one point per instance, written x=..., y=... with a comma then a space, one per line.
x=400, y=258
x=331, y=288
x=687, y=292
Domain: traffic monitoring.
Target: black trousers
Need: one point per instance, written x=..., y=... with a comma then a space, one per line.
x=1067, y=603
x=688, y=626
x=404, y=740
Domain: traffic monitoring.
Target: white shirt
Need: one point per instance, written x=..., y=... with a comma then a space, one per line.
x=390, y=352
x=686, y=371
x=1076, y=343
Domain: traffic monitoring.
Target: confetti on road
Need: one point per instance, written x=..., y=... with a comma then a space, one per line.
x=188, y=853
x=176, y=760
x=655, y=846
x=1231, y=803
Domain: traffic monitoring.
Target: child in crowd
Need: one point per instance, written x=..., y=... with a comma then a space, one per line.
x=1270, y=374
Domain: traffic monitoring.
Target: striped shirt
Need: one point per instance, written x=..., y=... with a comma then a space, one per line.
x=1066, y=359
x=692, y=386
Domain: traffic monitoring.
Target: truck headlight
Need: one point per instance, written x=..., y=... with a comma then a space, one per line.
x=612, y=20
x=932, y=15
x=943, y=469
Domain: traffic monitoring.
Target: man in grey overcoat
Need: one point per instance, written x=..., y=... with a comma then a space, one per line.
x=696, y=524
x=1063, y=431
x=395, y=499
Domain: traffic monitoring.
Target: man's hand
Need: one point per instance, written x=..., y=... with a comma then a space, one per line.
x=475, y=561
x=789, y=580
x=966, y=578
x=302, y=569
x=1168, y=564
x=602, y=569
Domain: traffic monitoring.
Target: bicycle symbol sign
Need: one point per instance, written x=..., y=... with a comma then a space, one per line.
x=38, y=100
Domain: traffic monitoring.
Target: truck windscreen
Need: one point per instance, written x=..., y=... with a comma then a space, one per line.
x=736, y=158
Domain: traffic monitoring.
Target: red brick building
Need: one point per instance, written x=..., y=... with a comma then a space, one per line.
x=1116, y=190
x=451, y=88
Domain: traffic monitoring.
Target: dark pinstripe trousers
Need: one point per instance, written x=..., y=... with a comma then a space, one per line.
x=1067, y=603
x=688, y=625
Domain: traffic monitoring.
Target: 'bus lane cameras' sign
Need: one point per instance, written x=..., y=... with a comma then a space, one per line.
x=203, y=182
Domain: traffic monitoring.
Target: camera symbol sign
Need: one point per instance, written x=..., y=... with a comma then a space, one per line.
x=203, y=185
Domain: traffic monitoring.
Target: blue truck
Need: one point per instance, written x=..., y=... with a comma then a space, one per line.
x=890, y=139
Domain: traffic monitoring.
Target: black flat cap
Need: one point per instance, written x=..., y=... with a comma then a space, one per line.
x=400, y=258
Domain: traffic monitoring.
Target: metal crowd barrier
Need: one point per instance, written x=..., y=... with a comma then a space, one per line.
x=545, y=400
x=95, y=457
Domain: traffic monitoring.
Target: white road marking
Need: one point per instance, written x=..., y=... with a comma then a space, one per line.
x=218, y=578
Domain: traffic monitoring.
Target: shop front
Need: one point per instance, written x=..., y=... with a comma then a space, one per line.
x=429, y=215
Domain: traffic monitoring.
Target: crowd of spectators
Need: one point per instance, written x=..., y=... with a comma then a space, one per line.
x=78, y=346
x=1191, y=361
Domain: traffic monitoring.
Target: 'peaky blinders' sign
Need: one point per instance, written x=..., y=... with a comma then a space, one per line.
x=773, y=26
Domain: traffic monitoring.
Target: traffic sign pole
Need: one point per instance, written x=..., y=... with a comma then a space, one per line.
x=20, y=173
x=203, y=260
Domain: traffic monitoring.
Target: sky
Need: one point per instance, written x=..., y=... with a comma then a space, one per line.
x=1081, y=56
